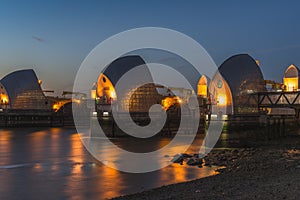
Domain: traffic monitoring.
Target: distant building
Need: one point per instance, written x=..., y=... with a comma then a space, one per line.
x=238, y=77
x=202, y=87
x=130, y=96
x=291, y=78
x=229, y=89
x=22, y=90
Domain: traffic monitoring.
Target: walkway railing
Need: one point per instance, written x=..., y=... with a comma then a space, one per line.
x=277, y=99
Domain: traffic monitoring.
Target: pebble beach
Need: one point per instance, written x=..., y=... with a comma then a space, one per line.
x=270, y=170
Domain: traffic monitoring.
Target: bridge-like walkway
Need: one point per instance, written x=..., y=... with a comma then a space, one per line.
x=278, y=99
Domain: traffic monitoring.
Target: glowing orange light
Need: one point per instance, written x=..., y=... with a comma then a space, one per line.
x=291, y=83
x=170, y=101
x=179, y=100
x=55, y=107
x=202, y=90
x=93, y=94
x=291, y=78
x=105, y=88
x=77, y=101
x=4, y=99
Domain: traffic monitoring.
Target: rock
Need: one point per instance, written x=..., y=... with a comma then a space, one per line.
x=234, y=157
x=223, y=158
x=214, y=163
x=201, y=155
x=235, y=151
x=194, y=161
x=221, y=170
x=184, y=155
x=177, y=159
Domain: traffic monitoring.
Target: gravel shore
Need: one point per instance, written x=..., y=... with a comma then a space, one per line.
x=270, y=171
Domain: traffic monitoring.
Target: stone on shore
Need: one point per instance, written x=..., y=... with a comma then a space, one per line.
x=178, y=158
x=270, y=172
x=194, y=161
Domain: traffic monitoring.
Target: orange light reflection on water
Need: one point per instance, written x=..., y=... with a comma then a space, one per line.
x=5, y=143
x=38, y=140
x=5, y=153
x=75, y=181
x=76, y=153
x=108, y=180
x=175, y=172
x=113, y=180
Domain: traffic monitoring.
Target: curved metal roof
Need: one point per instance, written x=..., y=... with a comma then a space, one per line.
x=135, y=85
x=243, y=75
x=2, y=88
x=120, y=66
x=292, y=72
x=23, y=82
x=176, y=62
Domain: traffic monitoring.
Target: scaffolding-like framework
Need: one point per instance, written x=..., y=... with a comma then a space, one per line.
x=141, y=99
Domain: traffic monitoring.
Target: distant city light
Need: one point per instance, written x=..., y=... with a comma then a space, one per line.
x=77, y=101
x=93, y=94
x=95, y=114
x=222, y=100
x=105, y=113
x=112, y=94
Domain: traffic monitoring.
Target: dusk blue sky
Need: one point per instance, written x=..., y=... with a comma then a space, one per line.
x=53, y=37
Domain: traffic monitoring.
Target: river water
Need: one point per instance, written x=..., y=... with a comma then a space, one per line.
x=52, y=163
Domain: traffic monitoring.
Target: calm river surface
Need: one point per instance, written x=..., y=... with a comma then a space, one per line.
x=52, y=163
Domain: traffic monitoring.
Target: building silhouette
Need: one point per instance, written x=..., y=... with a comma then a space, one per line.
x=22, y=90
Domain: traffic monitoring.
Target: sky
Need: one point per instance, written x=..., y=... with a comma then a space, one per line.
x=54, y=37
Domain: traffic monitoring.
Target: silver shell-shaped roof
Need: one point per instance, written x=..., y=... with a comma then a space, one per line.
x=292, y=72
x=24, y=90
x=243, y=75
x=121, y=66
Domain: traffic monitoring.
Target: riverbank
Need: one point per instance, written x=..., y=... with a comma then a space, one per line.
x=270, y=171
